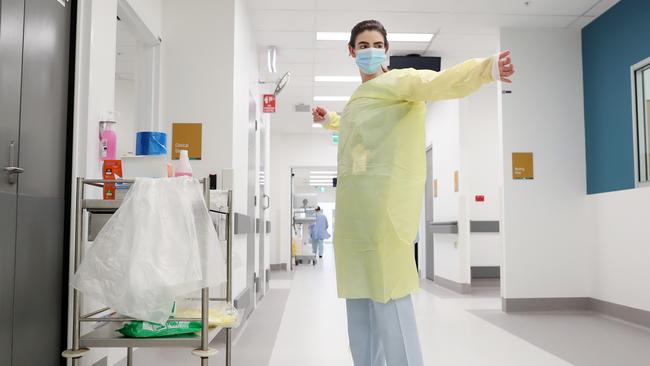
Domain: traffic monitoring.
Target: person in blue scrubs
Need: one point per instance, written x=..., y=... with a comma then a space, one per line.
x=319, y=232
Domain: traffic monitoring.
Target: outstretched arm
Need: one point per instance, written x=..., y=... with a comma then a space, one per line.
x=458, y=81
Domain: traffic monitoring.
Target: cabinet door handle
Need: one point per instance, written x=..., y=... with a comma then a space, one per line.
x=12, y=169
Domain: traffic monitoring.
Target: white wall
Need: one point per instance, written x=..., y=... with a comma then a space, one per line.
x=94, y=95
x=546, y=220
x=197, y=75
x=209, y=64
x=125, y=104
x=622, y=258
x=443, y=134
x=289, y=150
x=150, y=11
x=464, y=136
x=245, y=85
x=479, y=148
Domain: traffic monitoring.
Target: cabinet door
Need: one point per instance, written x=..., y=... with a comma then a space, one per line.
x=40, y=248
x=11, y=43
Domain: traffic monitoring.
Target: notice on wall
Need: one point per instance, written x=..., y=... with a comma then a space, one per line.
x=456, y=181
x=522, y=166
x=435, y=188
x=268, y=103
x=187, y=136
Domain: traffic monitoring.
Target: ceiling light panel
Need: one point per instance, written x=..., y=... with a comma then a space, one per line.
x=337, y=79
x=392, y=37
x=331, y=98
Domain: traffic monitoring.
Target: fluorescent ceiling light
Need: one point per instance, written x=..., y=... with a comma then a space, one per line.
x=331, y=98
x=317, y=125
x=271, y=56
x=392, y=37
x=322, y=177
x=409, y=37
x=322, y=172
x=320, y=185
x=332, y=36
x=339, y=79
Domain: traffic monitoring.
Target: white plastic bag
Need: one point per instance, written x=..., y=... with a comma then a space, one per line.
x=159, y=245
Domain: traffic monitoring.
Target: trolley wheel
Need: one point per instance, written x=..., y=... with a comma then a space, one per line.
x=297, y=262
x=313, y=262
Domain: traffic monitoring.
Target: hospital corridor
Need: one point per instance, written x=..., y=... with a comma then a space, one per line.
x=324, y=183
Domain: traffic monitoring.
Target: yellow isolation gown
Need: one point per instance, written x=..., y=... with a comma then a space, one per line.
x=381, y=175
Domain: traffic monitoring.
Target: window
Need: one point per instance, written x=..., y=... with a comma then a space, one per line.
x=641, y=77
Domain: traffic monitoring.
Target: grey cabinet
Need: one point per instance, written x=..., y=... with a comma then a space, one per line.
x=34, y=50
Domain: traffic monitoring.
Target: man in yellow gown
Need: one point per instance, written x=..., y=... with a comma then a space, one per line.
x=380, y=190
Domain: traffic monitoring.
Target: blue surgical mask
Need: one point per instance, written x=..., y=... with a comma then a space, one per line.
x=370, y=59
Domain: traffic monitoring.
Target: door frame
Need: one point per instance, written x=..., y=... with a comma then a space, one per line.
x=429, y=241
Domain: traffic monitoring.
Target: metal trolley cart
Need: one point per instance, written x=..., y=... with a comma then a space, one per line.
x=105, y=336
x=304, y=252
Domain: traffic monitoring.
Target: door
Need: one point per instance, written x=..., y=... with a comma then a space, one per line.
x=263, y=206
x=252, y=204
x=33, y=131
x=428, y=216
x=11, y=45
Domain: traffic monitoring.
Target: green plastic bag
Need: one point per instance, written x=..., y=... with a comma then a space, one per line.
x=140, y=329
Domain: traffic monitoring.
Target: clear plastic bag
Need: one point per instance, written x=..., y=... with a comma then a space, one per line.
x=160, y=245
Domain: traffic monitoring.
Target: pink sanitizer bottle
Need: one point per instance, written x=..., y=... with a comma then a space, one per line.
x=183, y=168
x=107, y=141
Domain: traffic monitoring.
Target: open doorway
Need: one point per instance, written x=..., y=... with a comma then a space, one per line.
x=137, y=79
x=313, y=194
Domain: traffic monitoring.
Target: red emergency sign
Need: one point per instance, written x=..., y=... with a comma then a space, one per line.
x=268, y=102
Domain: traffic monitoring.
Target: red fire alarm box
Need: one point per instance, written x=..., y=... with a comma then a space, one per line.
x=480, y=198
x=268, y=103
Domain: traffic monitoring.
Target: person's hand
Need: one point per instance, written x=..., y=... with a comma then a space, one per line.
x=506, y=68
x=319, y=114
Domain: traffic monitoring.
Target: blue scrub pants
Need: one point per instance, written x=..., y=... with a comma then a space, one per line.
x=317, y=246
x=383, y=334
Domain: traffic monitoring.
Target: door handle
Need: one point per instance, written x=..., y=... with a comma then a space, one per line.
x=267, y=202
x=12, y=169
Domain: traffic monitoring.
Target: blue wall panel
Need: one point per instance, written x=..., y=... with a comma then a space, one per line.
x=610, y=45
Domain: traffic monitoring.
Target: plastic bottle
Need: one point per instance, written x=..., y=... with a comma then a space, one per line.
x=107, y=141
x=183, y=168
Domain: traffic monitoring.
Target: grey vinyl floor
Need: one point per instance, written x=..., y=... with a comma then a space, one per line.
x=581, y=338
x=301, y=322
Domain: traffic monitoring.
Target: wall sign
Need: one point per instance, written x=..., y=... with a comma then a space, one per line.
x=522, y=166
x=187, y=136
x=268, y=103
x=456, y=181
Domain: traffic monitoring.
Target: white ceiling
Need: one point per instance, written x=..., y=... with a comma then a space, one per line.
x=462, y=28
x=125, y=53
x=301, y=180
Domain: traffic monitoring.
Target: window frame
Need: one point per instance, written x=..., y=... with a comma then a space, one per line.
x=641, y=65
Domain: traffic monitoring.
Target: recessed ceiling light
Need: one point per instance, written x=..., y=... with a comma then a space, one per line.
x=317, y=125
x=332, y=36
x=271, y=57
x=392, y=37
x=409, y=37
x=340, y=79
x=331, y=98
